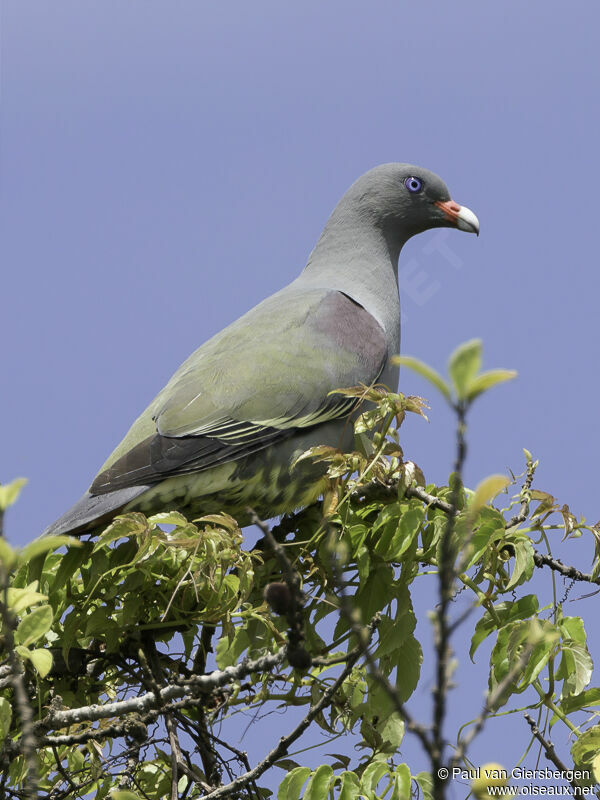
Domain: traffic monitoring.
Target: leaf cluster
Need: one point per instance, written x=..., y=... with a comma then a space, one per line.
x=148, y=629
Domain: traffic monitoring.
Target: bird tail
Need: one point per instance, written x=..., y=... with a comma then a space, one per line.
x=92, y=511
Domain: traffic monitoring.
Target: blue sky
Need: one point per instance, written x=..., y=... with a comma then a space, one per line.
x=165, y=166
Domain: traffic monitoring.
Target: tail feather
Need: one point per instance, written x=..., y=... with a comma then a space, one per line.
x=92, y=511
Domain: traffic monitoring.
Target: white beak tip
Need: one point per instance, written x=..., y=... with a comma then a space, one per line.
x=467, y=221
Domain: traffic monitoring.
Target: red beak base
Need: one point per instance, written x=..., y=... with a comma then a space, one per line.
x=461, y=216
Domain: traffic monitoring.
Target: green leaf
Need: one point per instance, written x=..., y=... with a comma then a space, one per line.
x=228, y=652
x=44, y=545
x=363, y=563
x=34, y=625
x=575, y=667
x=341, y=760
x=538, y=635
x=524, y=563
x=507, y=612
x=393, y=632
x=8, y=556
x=153, y=778
x=465, y=363
x=487, y=490
x=286, y=764
x=98, y=622
x=591, y=697
x=596, y=767
x=350, y=786
x=544, y=636
x=425, y=371
x=481, y=383
x=292, y=784
x=9, y=492
x=396, y=527
x=376, y=592
x=124, y=794
x=573, y=628
x=71, y=625
x=40, y=658
x=122, y=526
x=392, y=733
x=408, y=528
x=21, y=599
x=42, y=661
x=35, y=567
x=168, y=518
x=5, y=717
x=372, y=775
x=69, y=564
x=103, y=789
x=487, y=533
x=22, y=651
x=409, y=667
x=401, y=785
x=585, y=749
x=377, y=705
x=318, y=785
x=426, y=784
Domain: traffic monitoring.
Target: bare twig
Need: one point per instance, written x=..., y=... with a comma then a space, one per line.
x=281, y=749
x=550, y=752
x=126, y=776
x=203, y=739
x=525, y=497
x=177, y=761
x=242, y=757
x=429, y=499
x=197, y=730
x=542, y=560
x=66, y=777
x=152, y=672
x=203, y=649
x=96, y=734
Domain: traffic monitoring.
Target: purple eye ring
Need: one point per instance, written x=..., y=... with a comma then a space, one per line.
x=413, y=184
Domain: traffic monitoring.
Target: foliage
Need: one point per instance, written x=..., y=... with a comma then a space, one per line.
x=133, y=647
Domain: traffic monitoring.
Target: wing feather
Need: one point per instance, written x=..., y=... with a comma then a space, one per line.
x=259, y=381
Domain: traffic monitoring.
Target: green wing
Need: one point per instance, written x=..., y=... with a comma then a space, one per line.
x=263, y=378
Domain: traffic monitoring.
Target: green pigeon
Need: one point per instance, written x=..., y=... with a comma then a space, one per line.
x=225, y=431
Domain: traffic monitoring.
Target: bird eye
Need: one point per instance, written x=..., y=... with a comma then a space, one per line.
x=413, y=184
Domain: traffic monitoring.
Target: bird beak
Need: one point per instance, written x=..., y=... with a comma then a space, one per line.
x=461, y=216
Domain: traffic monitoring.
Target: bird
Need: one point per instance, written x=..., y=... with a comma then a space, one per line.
x=225, y=431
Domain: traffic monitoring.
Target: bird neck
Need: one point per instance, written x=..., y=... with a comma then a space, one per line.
x=360, y=258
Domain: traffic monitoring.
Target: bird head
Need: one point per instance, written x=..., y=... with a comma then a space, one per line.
x=407, y=199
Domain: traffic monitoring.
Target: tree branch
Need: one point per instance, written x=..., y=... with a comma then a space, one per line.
x=446, y=574
x=281, y=748
x=525, y=497
x=200, y=683
x=550, y=752
x=542, y=560
x=375, y=490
